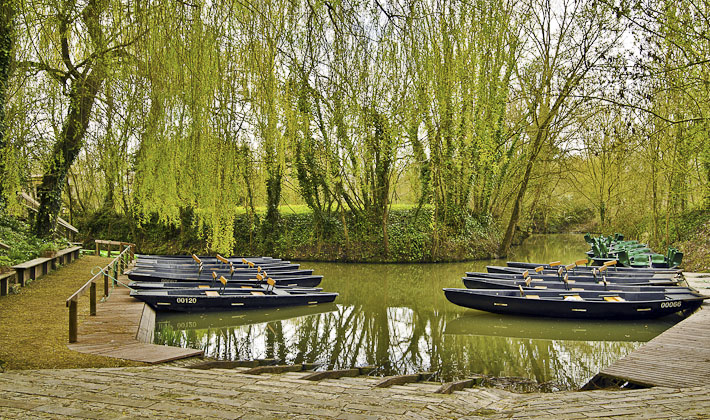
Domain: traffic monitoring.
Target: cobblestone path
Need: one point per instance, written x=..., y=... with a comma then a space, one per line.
x=177, y=392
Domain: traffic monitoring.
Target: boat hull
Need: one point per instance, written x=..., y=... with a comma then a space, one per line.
x=579, y=273
x=166, y=276
x=485, y=283
x=506, y=302
x=162, y=300
x=154, y=285
x=527, y=265
x=630, y=281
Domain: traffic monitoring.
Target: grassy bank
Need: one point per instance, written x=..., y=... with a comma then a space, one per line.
x=34, y=328
x=412, y=236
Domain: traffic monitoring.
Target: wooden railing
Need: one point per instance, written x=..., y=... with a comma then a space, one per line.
x=118, y=265
x=110, y=244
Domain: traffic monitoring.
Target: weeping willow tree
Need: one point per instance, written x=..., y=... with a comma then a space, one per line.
x=76, y=49
x=463, y=56
x=308, y=124
x=190, y=143
x=265, y=28
x=368, y=84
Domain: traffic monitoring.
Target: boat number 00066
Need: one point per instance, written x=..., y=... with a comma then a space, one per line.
x=185, y=300
x=674, y=304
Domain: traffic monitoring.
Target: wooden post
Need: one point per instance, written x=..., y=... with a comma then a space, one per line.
x=72, y=322
x=5, y=284
x=21, y=276
x=115, y=272
x=92, y=299
x=106, y=283
x=97, y=249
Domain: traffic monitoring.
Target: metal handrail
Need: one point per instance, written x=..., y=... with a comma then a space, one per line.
x=117, y=265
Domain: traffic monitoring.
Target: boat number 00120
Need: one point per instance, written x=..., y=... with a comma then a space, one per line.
x=675, y=304
x=185, y=300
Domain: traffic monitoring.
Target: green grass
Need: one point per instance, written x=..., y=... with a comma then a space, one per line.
x=102, y=252
x=34, y=328
x=304, y=209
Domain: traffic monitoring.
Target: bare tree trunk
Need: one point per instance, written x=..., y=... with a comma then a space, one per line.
x=515, y=214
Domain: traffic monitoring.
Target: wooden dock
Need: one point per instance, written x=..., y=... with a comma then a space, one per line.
x=679, y=357
x=123, y=328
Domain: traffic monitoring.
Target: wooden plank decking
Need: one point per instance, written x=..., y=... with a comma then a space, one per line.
x=123, y=328
x=679, y=357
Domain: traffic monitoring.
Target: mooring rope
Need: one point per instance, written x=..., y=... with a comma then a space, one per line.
x=107, y=273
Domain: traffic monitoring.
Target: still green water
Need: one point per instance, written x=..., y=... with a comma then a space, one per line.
x=395, y=317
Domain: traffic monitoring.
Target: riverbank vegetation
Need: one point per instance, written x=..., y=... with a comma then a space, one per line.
x=402, y=131
x=22, y=244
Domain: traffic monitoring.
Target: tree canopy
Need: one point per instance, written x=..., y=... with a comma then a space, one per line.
x=490, y=110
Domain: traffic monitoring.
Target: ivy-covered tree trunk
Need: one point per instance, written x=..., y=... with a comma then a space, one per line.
x=85, y=82
x=66, y=149
x=7, y=13
x=273, y=198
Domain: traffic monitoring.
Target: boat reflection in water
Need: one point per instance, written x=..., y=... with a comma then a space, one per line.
x=396, y=318
x=399, y=340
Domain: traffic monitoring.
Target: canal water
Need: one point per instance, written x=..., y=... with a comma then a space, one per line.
x=395, y=317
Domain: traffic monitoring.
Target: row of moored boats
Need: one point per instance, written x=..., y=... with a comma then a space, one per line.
x=195, y=284
x=576, y=290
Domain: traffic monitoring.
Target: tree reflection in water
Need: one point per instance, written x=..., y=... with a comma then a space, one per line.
x=400, y=341
x=396, y=318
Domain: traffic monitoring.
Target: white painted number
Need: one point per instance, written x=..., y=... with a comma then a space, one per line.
x=185, y=300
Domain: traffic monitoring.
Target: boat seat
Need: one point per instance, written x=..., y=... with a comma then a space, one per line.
x=532, y=296
x=576, y=289
x=573, y=297
x=203, y=286
x=247, y=287
x=211, y=293
x=614, y=299
x=257, y=293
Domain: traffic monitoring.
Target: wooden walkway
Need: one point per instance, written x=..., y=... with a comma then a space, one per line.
x=160, y=392
x=123, y=328
x=679, y=357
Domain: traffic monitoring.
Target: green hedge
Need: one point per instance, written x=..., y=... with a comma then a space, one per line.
x=410, y=232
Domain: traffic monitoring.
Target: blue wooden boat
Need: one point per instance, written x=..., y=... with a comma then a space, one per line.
x=577, y=304
x=195, y=300
x=490, y=283
x=171, y=276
